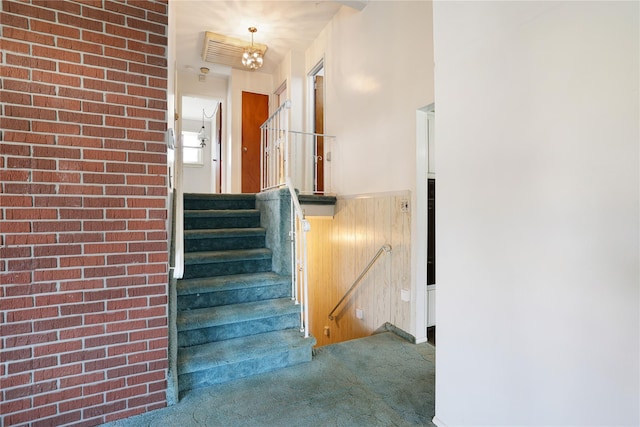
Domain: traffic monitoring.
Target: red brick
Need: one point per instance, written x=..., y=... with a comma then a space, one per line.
x=81, y=70
x=102, y=386
x=91, y=119
x=58, y=323
x=55, y=29
x=11, y=355
x=148, y=334
x=129, y=348
x=57, y=348
x=30, y=239
x=104, y=271
x=124, y=54
x=57, y=396
x=126, y=213
x=30, y=163
x=104, y=409
x=15, y=124
x=105, y=318
x=31, y=314
x=28, y=87
x=15, y=98
x=15, y=405
x=81, y=379
x=63, y=419
x=81, y=285
x=59, y=372
x=126, y=32
x=60, y=202
x=33, y=364
x=68, y=92
x=81, y=332
x=113, y=98
x=126, y=371
x=100, y=108
x=57, y=299
x=126, y=78
x=81, y=261
x=42, y=276
x=29, y=188
x=81, y=238
x=31, y=289
x=147, y=399
x=56, y=226
x=76, y=21
x=57, y=103
x=94, y=307
x=14, y=329
x=32, y=213
x=126, y=259
x=104, y=225
x=122, y=190
x=126, y=326
x=80, y=189
x=81, y=403
x=55, y=78
x=103, y=39
x=30, y=390
x=28, y=36
x=125, y=167
x=147, y=356
x=127, y=392
x=104, y=62
x=56, y=152
x=14, y=20
x=22, y=9
x=105, y=248
x=32, y=339
x=57, y=54
x=98, y=353
x=79, y=141
x=79, y=46
x=54, y=176
x=102, y=364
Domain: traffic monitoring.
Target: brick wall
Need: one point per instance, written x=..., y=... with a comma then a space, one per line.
x=83, y=246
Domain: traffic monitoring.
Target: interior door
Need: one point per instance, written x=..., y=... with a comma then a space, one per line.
x=318, y=86
x=255, y=110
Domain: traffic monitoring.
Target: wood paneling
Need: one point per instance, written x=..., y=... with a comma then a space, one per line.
x=340, y=248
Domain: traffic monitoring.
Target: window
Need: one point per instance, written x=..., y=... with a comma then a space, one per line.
x=192, y=151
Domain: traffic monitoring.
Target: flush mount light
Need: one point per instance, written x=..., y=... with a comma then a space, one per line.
x=252, y=57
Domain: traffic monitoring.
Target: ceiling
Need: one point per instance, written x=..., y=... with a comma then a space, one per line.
x=282, y=26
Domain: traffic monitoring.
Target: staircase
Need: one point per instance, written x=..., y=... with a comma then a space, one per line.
x=235, y=315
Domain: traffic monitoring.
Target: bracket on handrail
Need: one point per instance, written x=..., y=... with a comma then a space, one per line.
x=384, y=248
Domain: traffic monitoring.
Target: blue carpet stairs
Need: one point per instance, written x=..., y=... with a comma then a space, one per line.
x=235, y=316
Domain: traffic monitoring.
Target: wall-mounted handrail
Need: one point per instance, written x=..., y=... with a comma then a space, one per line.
x=299, y=274
x=384, y=248
x=178, y=214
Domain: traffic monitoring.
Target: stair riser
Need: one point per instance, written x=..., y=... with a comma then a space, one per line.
x=223, y=243
x=225, y=268
x=199, y=204
x=235, y=296
x=221, y=222
x=222, y=374
x=239, y=329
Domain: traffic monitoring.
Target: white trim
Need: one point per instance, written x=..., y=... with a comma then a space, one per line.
x=375, y=195
x=438, y=422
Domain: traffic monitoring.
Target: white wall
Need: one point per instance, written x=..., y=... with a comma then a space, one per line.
x=378, y=71
x=378, y=66
x=242, y=81
x=538, y=220
x=198, y=179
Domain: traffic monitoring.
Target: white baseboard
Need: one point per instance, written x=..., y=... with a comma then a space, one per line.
x=438, y=422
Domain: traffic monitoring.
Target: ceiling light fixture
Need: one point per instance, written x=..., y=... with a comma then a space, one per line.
x=252, y=57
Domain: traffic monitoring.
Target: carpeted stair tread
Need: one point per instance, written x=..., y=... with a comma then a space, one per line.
x=228, y=283
x=209, y=257
x=194, y=201
x=210, y=355
x=235, y=313
x=219, y=233
x=199, y=213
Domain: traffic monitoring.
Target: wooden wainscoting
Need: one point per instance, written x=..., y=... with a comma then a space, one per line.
x=340, y=248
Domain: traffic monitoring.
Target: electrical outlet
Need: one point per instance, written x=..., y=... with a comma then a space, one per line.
x=405, y=295
x=359, y=313
x=404, y=205
x=327, y=331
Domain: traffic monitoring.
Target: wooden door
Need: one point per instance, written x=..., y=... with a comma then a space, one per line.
x=255, y=110
x=319, y=128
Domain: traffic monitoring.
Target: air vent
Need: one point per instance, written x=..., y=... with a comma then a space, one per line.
x=219, y=49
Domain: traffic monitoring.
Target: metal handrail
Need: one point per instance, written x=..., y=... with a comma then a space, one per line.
x=384, y=248
x=299, y=228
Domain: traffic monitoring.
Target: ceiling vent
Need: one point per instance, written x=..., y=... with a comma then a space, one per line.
x=219, y=49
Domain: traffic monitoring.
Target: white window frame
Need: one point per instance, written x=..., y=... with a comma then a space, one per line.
x=190, y=146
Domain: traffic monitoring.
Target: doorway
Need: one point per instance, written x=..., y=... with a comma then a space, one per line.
x=255, y=111
x=318, y=127
x=200, y=125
